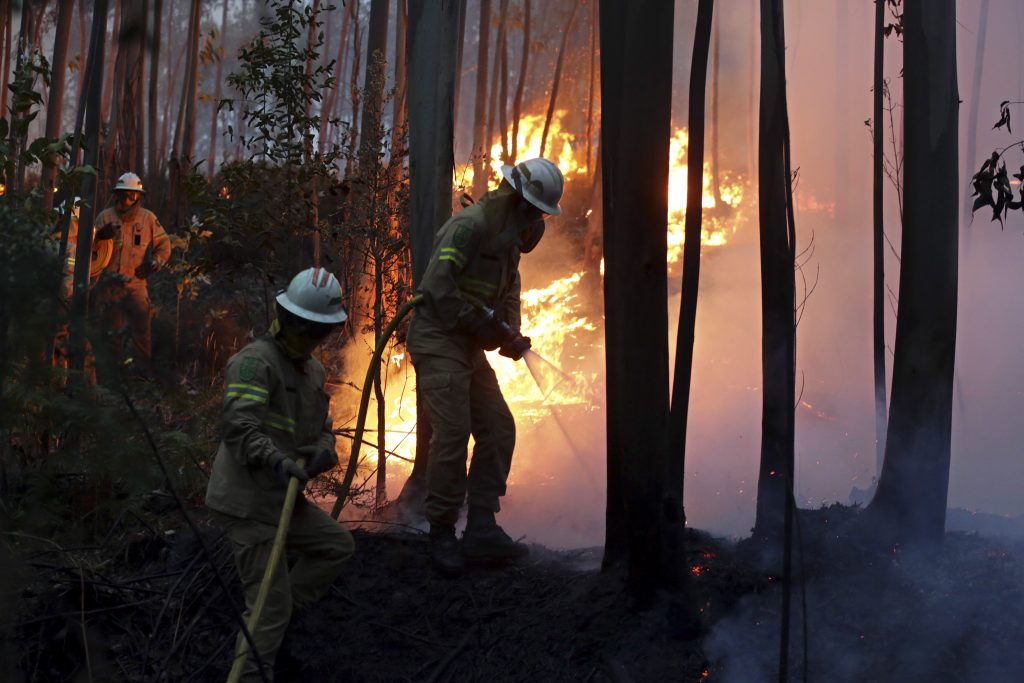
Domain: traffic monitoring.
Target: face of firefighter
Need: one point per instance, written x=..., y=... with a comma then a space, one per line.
x=126, y=199
x=301, y=337
x=532, y=226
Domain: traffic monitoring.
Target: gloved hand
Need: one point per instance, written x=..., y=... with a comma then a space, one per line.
x=144, y=270
x=285, y=468
x=107, y=232
x=319, y=460
x=515, y=347
x=492, y=332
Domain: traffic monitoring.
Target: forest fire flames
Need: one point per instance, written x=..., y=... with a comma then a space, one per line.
x=554, y=315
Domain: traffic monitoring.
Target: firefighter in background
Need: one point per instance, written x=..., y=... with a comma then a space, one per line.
x=276, y=411
x=140, y=248
x=471, y=304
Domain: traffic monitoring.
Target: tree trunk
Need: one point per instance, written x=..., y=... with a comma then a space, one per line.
x=431, y=45
x=673, y=520
x=480, y=143
x=458, y=63
x=778, y=321
x=83, y=252
x=327, y=112
x=153, y=170
x=357, y=51
x=5, y=59
x=590, y=97
x=399, y=127
x=716, y=181
x=557, y=79
x=373, y=88
x=111, y=59
x=911, y=496
x=971, y=138
x=517, y=103
x=211, y=158
x=492, y=115
x=878, y=236
x=188, y=135
x=636, y=92
x=503, y=91
x=751, y=87
x=55, y=105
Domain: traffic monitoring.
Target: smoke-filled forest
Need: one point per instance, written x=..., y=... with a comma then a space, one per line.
x=511, y=340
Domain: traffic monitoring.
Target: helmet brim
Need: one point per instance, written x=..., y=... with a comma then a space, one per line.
x=506, y=174
x=336, y=318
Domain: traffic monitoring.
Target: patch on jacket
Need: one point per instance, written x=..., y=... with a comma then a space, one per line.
x=247, y=371
x=461, y=237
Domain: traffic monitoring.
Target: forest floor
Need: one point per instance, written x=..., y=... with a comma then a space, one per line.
x=151, y=608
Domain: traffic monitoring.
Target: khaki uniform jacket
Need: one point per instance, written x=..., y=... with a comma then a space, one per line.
x=475, y=262
x=137, y=230
x=272, y=405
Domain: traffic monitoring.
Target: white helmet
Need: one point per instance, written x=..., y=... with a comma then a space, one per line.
x=315, y=295
x=538, y=181
x=129, y=181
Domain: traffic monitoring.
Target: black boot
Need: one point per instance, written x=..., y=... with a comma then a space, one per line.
x=485, y=541
x=445, y=554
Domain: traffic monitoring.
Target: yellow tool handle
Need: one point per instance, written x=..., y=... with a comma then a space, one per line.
x=242, y=650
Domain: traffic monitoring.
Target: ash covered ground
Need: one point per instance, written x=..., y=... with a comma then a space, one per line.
x=873, y=613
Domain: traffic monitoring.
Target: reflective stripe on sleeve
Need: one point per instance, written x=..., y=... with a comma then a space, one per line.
x=250, y=392
x=279, y=421
x=454, y=255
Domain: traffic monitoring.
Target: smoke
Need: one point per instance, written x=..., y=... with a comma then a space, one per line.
x=904, y=617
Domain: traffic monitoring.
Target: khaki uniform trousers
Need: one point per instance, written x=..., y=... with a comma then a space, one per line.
x=321, y=545
x=461, y=398
x=124, y=309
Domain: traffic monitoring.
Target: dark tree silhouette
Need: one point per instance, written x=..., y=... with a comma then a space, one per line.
x=910, y=503
x=636, y=92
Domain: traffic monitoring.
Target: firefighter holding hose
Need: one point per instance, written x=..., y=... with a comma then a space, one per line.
x=470, y=305
x=276, y=418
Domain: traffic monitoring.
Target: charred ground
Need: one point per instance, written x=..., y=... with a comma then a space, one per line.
x=152, y=609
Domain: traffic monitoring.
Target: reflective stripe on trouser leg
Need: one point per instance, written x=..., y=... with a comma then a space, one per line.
x=494, y=435
x=444, y=385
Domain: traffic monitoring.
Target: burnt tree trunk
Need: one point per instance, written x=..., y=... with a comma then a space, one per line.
x=878, y=236
x=716, y=181
x=557, y=78
x=778, y=343
x=673, y=520
x=480, y=142
x=458, y=61
x=636, y=92
x=492, y=115
x=83, y=251
x=911, y=499
x=517, y=103
x=432, y=51
x=971, y=138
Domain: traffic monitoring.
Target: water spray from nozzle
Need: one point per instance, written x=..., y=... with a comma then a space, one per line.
x=544, y=372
